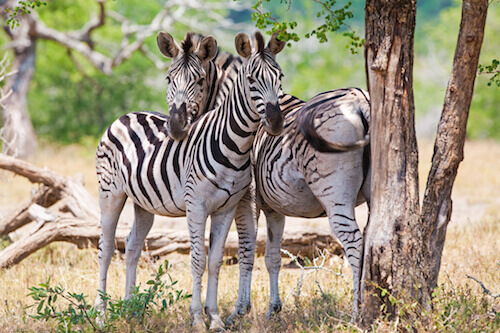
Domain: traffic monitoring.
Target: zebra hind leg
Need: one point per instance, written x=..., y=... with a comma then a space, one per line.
x=246, y=218
x=111, y=207
x=275, y=226
x=142, y=224
x=219, y=228
x=345, y=228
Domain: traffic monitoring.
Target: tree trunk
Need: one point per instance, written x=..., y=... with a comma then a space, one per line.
x=450, y=139
x=19, y=138
x=391, y=251
x=403, y=246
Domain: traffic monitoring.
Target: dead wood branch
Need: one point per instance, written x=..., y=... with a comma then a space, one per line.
x=85, y=233
x=75, y=220
x=485, y=290
x=77, y=199
x=44, y=196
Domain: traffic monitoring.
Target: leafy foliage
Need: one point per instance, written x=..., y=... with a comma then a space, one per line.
x=23, y=8
x=77, y=314
x=333, y=20
x=491, y=69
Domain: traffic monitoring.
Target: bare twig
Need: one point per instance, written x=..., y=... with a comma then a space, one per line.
x=305, y=271
x=4, y=64
x=485, y=290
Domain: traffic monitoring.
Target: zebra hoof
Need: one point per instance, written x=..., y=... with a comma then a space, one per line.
x=199, y=325
x=273, y=310
x=216, y=325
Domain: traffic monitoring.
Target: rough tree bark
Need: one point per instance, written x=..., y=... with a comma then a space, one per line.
x=450, y=139
x=403, y=244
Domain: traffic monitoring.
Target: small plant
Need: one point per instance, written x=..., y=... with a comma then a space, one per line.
x=77, y=314
x=157, y=298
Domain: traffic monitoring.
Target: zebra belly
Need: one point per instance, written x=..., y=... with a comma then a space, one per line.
x=287, y=191
x=173, y=206
x=294, y=200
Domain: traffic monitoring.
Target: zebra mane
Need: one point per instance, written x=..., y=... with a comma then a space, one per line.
x=190, y=43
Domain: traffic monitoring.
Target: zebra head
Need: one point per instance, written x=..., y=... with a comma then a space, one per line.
x=188, y=84
x=263, y=78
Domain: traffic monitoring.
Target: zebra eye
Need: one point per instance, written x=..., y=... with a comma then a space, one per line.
x=282, y=76
x=168, y=79
x=251, y=80
x=200, y=81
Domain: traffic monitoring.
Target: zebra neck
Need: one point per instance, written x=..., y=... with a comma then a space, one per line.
x=239, y=120
x=213, y=86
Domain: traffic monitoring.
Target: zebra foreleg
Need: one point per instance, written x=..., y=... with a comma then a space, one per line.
x=197, y=219
x=246, y=218
x=275, y=226
x=219, y=227
x=111, y=207
x=345, y=228
x=142, y=224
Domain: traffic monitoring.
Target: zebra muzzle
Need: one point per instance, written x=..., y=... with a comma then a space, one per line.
x=178, y=125
x=273, y=123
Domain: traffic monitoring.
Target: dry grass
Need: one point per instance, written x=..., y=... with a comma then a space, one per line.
x=472, y=247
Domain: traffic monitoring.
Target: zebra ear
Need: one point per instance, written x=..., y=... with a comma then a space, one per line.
x=243, y=45
x=275, y=45
x=167, y=45
x=207, y=49
x=259, y=41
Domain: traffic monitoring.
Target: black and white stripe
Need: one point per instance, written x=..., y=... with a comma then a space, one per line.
x=294, y=179
x=290, y=184
x=207, y=173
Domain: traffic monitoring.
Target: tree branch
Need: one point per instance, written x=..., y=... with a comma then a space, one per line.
x=485, y=290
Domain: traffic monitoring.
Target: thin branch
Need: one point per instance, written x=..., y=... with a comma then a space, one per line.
x=332, y=13
x=485, y=290
x=490, y=72
x=95, y=22
x=311, y=269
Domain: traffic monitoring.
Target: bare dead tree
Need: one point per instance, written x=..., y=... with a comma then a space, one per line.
x=403, y=241
x=18, y=135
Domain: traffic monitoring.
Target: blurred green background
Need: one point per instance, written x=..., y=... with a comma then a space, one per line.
x=71, y=105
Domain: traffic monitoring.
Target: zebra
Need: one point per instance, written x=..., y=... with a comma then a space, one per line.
x=296, y=177
x=346, y=114
x=197, y=78
x=196, y=84
x=206, y=173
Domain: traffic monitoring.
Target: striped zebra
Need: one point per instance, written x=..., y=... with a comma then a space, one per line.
x=207, y=173
x=199, y=78
x=307, y=129
x=294, y=178
x=296, y=175
x=322, y=184
x=196, y=79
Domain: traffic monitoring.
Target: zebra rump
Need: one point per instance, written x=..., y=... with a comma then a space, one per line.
x=342, y=102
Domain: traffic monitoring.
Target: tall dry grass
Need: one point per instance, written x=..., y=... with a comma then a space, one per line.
x=472, y=247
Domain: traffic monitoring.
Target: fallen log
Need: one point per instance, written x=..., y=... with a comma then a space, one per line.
x=76, y=221
x=85, y=233
x=77, y=199
x=44, y=196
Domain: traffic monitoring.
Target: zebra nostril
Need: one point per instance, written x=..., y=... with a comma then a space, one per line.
x=177, y=125
x=273, y=119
